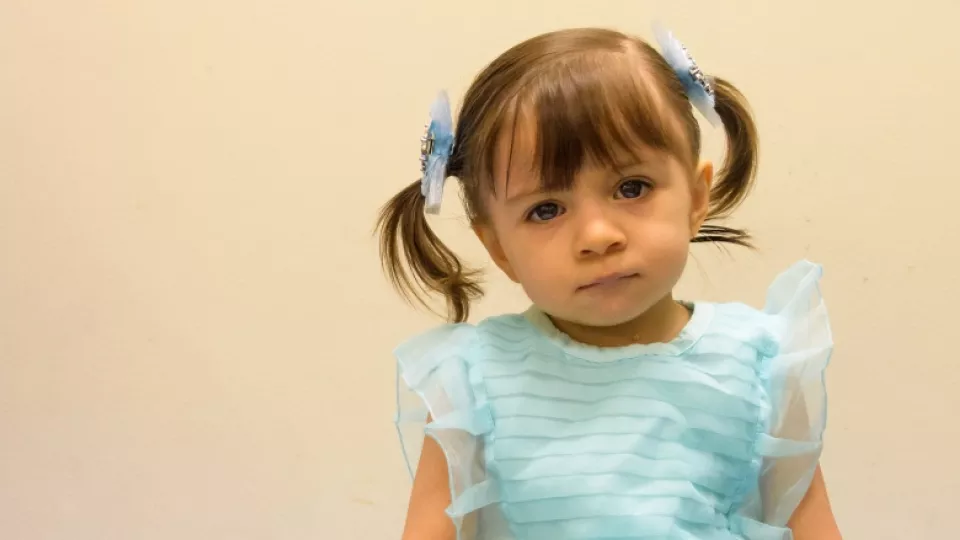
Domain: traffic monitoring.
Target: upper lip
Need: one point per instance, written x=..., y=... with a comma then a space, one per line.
x=608, y=278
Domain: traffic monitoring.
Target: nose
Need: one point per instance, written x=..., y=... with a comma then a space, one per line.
x=599, y=235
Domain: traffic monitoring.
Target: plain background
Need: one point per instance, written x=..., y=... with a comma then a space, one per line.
x=195, y=337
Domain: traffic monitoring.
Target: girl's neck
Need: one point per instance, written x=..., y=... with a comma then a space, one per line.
x=659, y=324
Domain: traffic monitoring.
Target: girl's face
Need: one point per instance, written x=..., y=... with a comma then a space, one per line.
x=605, y=251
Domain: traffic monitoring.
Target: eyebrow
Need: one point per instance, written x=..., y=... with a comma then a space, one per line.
x=630, y=162
x=528, y=193
x=619, y=167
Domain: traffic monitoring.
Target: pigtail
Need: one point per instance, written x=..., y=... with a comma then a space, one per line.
x=735, y=177
x=417, y=262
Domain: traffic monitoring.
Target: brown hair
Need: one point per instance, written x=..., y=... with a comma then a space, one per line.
x=592, y=94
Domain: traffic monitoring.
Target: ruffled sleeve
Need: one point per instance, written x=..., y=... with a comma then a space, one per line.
x=792, y=441
x=434, y=378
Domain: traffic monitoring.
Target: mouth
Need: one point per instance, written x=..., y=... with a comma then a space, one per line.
x=608, y=279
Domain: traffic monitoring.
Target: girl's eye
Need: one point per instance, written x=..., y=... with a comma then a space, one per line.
x=633, y=189
x=545, y=212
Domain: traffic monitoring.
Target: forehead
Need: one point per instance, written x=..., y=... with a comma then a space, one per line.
x=595, y=110
x=527, y=159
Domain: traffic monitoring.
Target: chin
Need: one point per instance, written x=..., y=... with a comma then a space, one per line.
x=611, y=319
x=604, y=316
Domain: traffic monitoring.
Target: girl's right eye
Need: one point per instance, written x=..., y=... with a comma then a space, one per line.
x=545, y=212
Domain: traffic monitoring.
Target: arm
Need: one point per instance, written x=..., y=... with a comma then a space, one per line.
x=426, y=519
x=813, y=519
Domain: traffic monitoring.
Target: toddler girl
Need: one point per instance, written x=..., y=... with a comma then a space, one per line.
x=610, y=409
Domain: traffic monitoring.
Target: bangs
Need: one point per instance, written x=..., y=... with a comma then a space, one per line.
x=591, y=109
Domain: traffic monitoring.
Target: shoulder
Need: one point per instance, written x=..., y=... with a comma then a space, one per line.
x=455, y=336
x=459, y=343
x=793, y=317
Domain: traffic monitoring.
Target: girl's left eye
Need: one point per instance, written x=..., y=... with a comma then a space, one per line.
x=633, y=189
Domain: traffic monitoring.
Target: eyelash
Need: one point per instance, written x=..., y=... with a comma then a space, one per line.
x=531, y=214
x=645, y=185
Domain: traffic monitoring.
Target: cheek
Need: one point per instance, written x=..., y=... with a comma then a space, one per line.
x=673, y=212
x=527, y=254
x=546, y=285
x=539, y=259
x=667, y=242
x=664, y=239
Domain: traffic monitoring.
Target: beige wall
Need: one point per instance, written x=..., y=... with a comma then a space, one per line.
x=195, y=338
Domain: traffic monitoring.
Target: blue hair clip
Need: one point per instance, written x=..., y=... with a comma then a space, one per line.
x=436, y=145
x=698, y=86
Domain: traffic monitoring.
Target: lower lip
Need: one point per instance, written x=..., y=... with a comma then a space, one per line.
x=607, y=282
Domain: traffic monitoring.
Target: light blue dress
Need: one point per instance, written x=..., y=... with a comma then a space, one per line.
x=712, y=436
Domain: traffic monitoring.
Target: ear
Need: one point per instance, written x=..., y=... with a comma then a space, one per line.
x=702, y=183
x=488, y=237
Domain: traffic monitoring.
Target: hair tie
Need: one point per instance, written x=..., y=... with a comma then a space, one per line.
x=436, y=145
x=697, y=85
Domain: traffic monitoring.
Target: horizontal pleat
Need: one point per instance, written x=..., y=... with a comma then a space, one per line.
x=631, y=443
x=640, y=446
x=603, y=484
x=510, y=406
x=655, y=372
x=702, y=473
x=622, y=528
x=606, y=528
x=637, y=421
x=581, y=432
x=683, y=395
x=596, y=506
x=711, y=366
